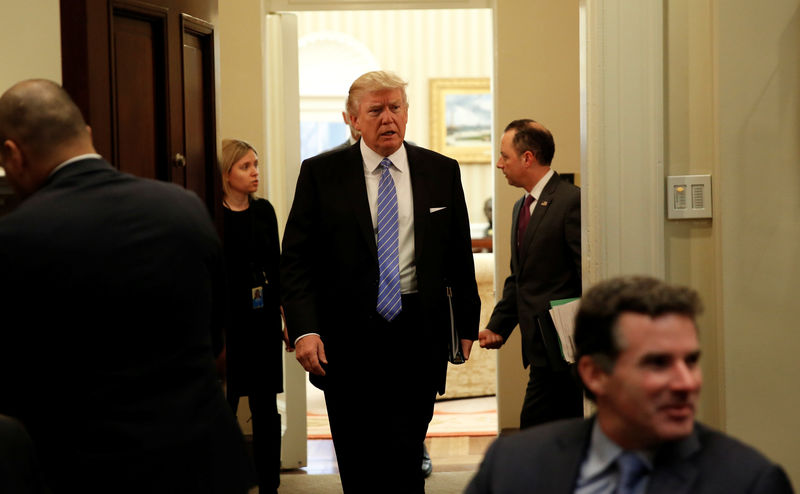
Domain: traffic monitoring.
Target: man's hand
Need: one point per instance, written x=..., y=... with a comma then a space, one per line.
x=466, y=348
x=310, y=353
x=490, y=339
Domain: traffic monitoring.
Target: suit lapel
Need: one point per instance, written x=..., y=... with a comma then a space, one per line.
x=674, y=473
x=421, y=195
x=539, y=212
x=354, y=188
x=515, y=252
x=566, y=461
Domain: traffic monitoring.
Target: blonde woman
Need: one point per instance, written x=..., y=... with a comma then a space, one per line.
x=252, y=358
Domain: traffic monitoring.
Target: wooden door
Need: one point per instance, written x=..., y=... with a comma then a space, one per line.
x=143, y=73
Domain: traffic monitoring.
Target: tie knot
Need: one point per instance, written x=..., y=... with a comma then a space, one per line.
x=529, y=200
x=631, y=470
x=386, y=163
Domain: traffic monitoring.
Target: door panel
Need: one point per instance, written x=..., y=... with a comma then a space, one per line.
x=140, y=95
x=198, y=102
x=193, y=92
x=143, y=73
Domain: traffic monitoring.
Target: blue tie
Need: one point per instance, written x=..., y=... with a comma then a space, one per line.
x=631, y=471
x=389, y=302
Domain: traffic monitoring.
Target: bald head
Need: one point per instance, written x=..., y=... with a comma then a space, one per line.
x=40, y=127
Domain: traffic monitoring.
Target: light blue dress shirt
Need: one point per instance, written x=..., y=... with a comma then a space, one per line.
x=599, y=473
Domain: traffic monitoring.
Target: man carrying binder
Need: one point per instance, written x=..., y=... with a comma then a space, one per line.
x=376, y=259
x=545, y=266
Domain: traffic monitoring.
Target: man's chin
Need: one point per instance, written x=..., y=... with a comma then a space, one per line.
x=385, y=147
x=677, y=429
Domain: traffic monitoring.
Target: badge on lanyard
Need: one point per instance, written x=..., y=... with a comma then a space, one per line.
x=258, y=297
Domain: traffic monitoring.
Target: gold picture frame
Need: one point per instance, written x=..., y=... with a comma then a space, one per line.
x=461, y=119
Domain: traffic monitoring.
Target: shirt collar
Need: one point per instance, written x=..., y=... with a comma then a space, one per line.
x=603, y=452
x=537, y=189
x=75, y=159
x=372, y=159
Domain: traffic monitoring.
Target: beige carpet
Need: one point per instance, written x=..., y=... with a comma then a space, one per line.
x=464, y=417
x=437, y=483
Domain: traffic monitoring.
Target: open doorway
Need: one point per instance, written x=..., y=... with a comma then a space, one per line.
x=454, y=49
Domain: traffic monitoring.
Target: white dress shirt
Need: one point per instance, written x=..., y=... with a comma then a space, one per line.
x=405, y=207
x=598, y=473
x=405, y=210
x=537, y=189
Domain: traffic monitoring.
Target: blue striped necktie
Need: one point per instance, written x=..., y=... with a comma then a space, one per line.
x=631, y=471
x=389, y=302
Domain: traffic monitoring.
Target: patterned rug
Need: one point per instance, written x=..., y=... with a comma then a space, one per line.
x=437, y=483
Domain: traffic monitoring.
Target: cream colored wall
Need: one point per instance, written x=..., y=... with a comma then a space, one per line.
x=463, y=48
x=536, y=76
x=30, y=34
x=758, y=67
x=733, y=110
x=691, y=250
x=242, y=86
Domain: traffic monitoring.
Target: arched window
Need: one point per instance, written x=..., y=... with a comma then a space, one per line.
x=328, y=63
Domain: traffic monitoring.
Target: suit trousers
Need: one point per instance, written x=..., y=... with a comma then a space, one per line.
x=266, y=422
x=380, y=402
x=551, y=395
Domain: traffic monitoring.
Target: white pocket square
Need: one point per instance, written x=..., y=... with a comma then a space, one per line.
x=433, y=210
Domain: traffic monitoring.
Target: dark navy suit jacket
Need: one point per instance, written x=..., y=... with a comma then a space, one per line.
x=547, y=459
x=546, y=267
x=329, y=264
x=112, y=282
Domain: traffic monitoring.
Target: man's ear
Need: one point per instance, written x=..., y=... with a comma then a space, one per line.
x=594, y=377
x=12, y=157
x=528, y=157
x=17, y=168
x=354, y=122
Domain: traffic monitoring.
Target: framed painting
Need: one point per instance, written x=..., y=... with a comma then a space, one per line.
x=461, y=119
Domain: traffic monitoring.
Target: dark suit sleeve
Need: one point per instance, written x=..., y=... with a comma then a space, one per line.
x=481, y=483
x=297, y=261
x=505, y=316
x=773, y=480
x=462, y=271
x=268, y=222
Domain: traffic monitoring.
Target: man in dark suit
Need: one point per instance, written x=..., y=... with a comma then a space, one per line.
x=376, y=259
x=108, y=292
x=352, y=138
x=638, y=357
x=545, y=266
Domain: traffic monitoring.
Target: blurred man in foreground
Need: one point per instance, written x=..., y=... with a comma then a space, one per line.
x=638, y=357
